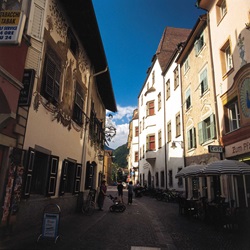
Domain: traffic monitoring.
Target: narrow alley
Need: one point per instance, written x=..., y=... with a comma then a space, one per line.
x=146, y=224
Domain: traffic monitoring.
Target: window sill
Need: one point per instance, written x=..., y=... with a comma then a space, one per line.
x=229, y=72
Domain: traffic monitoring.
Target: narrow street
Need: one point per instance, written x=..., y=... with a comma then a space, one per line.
x=146, y=224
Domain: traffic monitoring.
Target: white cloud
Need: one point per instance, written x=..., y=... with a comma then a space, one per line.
x=121, y=121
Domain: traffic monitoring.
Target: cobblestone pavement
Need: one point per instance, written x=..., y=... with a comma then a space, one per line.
x=146, y=224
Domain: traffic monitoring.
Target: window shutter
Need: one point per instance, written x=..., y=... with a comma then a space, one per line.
x=35, y=28
x=200, y=128
x=189, y=140
x=63, y=183
x=212, y=127
x=52, y=175
x=77, y=182
x=194, y=137
x=29, y=172
x=196, y=45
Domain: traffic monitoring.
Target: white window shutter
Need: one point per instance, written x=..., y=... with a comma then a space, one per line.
x=36, y=19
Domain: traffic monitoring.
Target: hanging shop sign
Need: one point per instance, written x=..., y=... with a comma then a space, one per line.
x=11, y=26
x=26, y=91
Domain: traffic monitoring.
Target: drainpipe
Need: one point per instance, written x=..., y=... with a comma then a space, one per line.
x=165, y=141
x=86, y=117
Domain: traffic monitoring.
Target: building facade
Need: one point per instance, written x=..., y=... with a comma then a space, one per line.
x=229, y=29
x=133, y=155
x=60, y=119
x=155, y=161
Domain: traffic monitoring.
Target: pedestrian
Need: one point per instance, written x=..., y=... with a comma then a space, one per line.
x=130, y=192
x=102, y=194
x=120, y=191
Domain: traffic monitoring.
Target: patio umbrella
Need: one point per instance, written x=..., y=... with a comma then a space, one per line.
x=191, y=170
x=228, y=167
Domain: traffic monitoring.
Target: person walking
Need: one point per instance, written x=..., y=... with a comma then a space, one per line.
x=102, y=194
x=130, y=192
x=120, y=191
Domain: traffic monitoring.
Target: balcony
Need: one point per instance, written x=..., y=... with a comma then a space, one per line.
x=150, y=156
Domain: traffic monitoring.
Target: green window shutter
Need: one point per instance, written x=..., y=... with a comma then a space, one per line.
x=189, y=140
x=29, y=172
x=200, y=131
x=52, y=175
x=63, y=182
x=194, y=137
x=212, y=127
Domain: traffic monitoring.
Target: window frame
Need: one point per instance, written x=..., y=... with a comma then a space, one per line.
x=168, y=89
x=151, y=108
x=199, y=44
x=188, y=101
x=176, y=77
x=207, y=129
x=169, y=130
x=51, y=80
x=228, y=116
x=177, y=124
x=203, y=78
x=226, y=58
x=150, y=142
x=191, y=138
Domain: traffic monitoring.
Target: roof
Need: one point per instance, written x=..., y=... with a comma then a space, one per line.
x=169, y=43
x=83, y=19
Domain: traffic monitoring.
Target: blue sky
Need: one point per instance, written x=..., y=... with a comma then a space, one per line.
x=131, y=31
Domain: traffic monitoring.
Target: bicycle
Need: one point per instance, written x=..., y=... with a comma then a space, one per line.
x=88, y=206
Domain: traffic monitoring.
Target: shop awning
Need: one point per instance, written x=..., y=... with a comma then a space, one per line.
x=191, y=170
x=227, y=167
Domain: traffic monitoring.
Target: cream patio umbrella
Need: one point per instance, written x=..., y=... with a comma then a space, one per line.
x=229, y=168
x=191, y=170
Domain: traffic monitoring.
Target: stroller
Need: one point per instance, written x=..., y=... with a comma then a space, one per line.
x=117, y=205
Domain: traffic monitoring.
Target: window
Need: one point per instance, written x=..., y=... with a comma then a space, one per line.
x=203, y=81
x=51, y=76
x=143, y=150
x=207, y=129
x=136, y=131
x=199, y=44
x=176, y=77
x=188, y=99
x=162, y=179
x=150, y=142
x=136, y=156
x=73, y=45
x=159, y=101
x=191, y=137
x=169, y=132
x=180, y=179
x=167, y=89
x=96, y=131
x=232, y=116
x=226, y=58
x=150, y=108
x=153, y=78
x=186, y=66
x=170, y=178
x=141, y=100
x=41, y=173
x=78, y=104
x=140, y=126
x=159, y=139
x=178, y=124
x=70, y=177
x=221, y=9
x=157, y=179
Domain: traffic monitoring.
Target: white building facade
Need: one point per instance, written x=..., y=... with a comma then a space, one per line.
x=154, y=157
